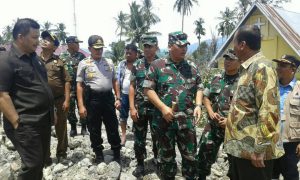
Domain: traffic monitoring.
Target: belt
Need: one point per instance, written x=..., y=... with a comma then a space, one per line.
x=100, y=93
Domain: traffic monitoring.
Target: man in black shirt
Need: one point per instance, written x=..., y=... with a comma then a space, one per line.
x=26, y=99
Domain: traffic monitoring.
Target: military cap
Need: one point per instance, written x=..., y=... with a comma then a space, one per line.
x=149, y=39
x=72, y=39
x=230, y=54
x=96, y=42
x=289, y=59
x=178, y=37
x=46, y=34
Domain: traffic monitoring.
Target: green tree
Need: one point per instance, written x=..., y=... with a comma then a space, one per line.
x=149, y=16
x=46, y=26
x=121, y=23
x=184, y=8
x=117, y=51
x=199, y=30
x=228, y=22
x=137, y=24
x=7, y=35
x=60, y=32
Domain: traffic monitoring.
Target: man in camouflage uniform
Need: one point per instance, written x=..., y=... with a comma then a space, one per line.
x=172, y=85
x=141, y=110
x=59, y=82
x=71, y=58
x=217, y=99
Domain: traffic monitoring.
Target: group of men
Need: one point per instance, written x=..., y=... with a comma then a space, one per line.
x=259, y=126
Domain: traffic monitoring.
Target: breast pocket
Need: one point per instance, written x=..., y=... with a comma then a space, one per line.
x=90, y=73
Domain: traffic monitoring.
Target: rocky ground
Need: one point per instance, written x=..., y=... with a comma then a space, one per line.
x=79, y=162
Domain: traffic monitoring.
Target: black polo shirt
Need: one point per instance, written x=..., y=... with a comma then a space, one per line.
x=25, y=78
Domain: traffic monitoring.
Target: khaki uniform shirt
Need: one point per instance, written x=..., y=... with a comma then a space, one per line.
x=57, y=75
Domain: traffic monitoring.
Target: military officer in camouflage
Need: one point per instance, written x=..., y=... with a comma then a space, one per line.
x=173, y=85
x=72, y=57
x=59, y=82
x=141, y=110
x=217, y=99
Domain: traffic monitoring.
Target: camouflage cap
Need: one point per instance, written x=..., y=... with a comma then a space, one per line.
x=230, y=54
x=149, y=39
x=178, y=37
x=96, y=42
x=72, y=39
x=289, y=59
x=46, y=34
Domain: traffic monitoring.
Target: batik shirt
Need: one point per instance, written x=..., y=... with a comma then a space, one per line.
x=252, y=125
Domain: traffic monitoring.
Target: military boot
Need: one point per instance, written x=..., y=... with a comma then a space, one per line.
x=139, y=170
x=73, y=131
x=117, y=157
x=84, y=130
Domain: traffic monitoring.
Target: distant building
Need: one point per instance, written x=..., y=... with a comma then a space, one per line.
x=280, y=31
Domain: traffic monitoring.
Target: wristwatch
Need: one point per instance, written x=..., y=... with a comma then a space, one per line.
x=118, y=99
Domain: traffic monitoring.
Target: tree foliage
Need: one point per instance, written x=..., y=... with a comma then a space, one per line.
x=184, y=8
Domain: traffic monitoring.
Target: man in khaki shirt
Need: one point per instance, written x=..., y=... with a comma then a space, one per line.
x=59, y=82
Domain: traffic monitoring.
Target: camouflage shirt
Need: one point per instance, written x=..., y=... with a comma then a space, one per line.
x=176, y=85
x=71, y=64
x=138, y=74
x=252, y=125
x=220, y=92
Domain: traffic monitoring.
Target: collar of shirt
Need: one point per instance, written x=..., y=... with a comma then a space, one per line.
x=169, y=61
x=19, y=53
x=252, y=59
x=290, y=85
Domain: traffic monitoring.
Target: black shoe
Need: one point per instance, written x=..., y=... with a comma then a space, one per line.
x=139, y=171
x=201, y=177
x=99, y=157
x=73, y=131
x=83, y=130
x=48, y=162
x=117, y=156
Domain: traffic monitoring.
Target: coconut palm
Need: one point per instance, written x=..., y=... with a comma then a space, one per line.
x=137, y=24
x=60, y=32
x=149, y=16
x=228, y=22
x=200, y=30
x=121, y=22
x=46, y=26
x=7, y=34
x=184, y=8
x=117, y=51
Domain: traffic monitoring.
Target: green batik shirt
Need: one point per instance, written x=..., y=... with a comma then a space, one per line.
x=71, y=64
x=138, y=74
x=176, y=85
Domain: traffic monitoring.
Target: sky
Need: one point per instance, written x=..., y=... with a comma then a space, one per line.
x=97, y=16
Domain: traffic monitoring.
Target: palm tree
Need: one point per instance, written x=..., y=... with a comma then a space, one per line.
x=7, y=34
x=60, y=32
x=150, y=17
x=121, y=22
x=137, y=25
x=228, y=22
x=200, y=30
x=117, y=51
x=46, y=26
x=243, y=6
x=184, y=8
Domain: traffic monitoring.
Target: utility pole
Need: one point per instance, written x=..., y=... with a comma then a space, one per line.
x=74, y=16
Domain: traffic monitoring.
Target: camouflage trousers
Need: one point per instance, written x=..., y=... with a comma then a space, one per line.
x=140, y=129
x=210, y=142
x=72, y=118
x=187, y=144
